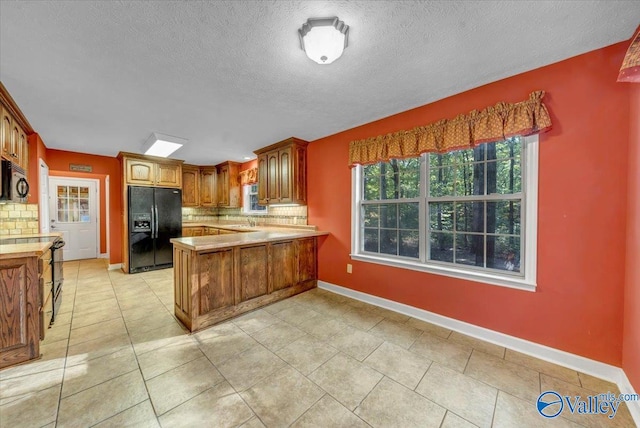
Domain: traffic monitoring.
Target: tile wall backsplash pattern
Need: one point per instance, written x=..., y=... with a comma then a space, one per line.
x=17, y=219
x=276, y=215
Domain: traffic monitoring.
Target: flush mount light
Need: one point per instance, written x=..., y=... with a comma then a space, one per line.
x=162, y=145
x=323, y=39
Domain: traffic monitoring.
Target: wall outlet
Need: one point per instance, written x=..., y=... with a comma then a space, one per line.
x=349, y=268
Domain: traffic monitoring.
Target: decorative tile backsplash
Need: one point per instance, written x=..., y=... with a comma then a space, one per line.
x=17, y=219
x=276, y=215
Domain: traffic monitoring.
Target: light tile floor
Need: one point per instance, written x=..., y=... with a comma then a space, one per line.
x=117, y=357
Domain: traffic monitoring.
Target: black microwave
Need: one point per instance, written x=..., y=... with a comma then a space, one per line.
x=13, y=183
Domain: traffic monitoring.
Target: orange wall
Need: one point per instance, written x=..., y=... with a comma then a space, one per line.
x=631, y=338
x=581, y=221
x=59, y=160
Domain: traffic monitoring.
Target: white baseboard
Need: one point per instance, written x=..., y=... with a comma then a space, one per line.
x=115, y=266
x=103, y=255
x=576, y=362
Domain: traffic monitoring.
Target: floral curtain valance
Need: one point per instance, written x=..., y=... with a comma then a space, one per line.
x=501, y=121
x=249, y=176
x=630, y=69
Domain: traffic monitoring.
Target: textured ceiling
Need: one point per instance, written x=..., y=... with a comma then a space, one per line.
x=99, y=77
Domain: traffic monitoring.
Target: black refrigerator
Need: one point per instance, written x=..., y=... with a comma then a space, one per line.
x=155, y=216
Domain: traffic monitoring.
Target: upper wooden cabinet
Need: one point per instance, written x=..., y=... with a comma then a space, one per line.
x=190, y=186
x=14, y=129
x=141, y=170
x=228, y=184
x=14, y=140
x=282, y=173
x=208, y=177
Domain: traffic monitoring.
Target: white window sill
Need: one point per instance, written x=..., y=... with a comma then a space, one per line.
x=485, y=278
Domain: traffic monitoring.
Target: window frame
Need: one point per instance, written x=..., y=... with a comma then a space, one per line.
x=246, y=201
x=528, y=231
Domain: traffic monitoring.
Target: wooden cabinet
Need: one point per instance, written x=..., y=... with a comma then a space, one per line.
x=190, y=186
x=14, y=140
x=19, y=310
x=228, y=184
x=214, y=285
x=140, y=170
x=282, y=173
x=208, y=175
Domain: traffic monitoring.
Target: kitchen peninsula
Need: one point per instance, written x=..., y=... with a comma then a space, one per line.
x=218, y=277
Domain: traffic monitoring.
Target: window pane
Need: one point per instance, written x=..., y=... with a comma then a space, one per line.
x=62, y=216
x=409, y=216
x=441, y=181
x=441, y=247
x=371, y=215
x=73, y=191
x=503, y=217
x=410, y=184
x=510, y=148
x=371, y=170
x=444, y=159
x=441, y=216
x=410, y=243
x=470, y=216
x=371, y=240
x=469, y=249
x=507, y=177
x=372, y=188
x=63, y=191
x=389, y=216
x=503, y=252
x=389, y=241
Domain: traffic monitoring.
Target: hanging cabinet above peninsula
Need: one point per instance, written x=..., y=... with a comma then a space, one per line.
x=282, y=173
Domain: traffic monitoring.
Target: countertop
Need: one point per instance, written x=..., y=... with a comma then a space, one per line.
x=212, y=242
x=36, y=249
x=244, y=227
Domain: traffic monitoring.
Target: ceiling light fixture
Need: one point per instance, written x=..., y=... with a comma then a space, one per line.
x=324, y=39
x=162, y=145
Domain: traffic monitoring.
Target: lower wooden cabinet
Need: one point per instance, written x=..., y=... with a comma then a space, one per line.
x=215, y=285
x=19, y=310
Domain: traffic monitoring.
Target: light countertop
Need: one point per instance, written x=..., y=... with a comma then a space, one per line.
x=212, y=242
x=34, y=249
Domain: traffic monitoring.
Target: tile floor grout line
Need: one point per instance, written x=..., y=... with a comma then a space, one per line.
x=422, y=378
x=116, y=414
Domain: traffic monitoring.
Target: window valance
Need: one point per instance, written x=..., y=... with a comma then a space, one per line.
x=501, y=121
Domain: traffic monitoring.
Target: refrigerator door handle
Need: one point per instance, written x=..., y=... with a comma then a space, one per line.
x=153, y=223
x=156, y=208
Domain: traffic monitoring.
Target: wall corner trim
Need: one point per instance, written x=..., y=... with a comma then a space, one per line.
x=576, y=362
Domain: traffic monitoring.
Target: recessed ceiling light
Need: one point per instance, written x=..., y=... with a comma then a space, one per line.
x=247, y=158
x=162, y=145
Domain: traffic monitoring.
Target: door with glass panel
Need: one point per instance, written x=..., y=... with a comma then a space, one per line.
x=73, y=212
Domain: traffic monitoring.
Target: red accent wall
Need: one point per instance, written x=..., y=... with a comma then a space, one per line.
x=59, y=160
x=581, y=222
x=631, y=337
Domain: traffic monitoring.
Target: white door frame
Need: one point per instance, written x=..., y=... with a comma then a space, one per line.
x=97, y=182
x=43, y=197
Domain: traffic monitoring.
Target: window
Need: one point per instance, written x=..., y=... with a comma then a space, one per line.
x=468, y=213
x=250, y=200
x=73, y=204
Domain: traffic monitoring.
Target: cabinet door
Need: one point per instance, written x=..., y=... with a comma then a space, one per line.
x=252, y=279
x=190, y=187
x=263, y=179
x=19, y=310
x=140, y=172
x=5, y=134
x=22, y=149
x=215, y=277
x=168, y=175
x=187, y=231
x=16, y=130
x=286, y=176
x=273, y=179
x=223, y=186
x=208, y=187
x=306, y=258
x=283, y=256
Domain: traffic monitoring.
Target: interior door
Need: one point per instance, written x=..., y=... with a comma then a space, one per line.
x=73, y=212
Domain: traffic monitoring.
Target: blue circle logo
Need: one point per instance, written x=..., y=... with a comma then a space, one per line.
x=550, y=404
